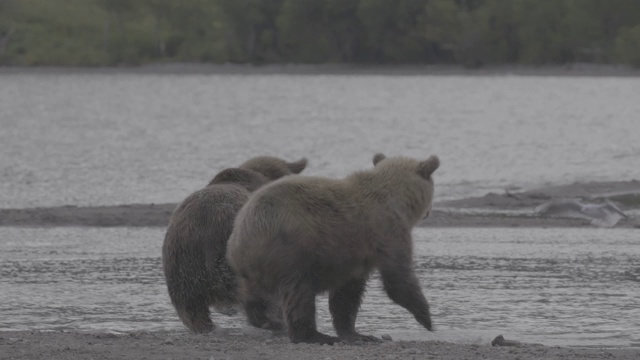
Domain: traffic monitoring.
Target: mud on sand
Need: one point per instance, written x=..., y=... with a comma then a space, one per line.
x=55, y=345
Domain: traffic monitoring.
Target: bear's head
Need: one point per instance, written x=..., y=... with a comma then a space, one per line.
x=249, y=179
x=411, y=180
x=274, y=168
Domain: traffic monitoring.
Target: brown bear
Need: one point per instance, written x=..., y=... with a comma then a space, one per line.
x=301, y=236
x=193, y=254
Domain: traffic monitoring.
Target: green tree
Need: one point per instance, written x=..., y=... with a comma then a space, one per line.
x=469, y=32
x=189, y=30
x=627, y=46
x=7, y=24
x=321, y=31
x=489, y=34
x=250, y=29
x=343, y=30
x=442, y=28
x=393, y=30
x=592, y=26
x=540, y=32
x=55, y=33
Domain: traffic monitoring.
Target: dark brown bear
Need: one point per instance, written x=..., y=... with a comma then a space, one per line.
x=301, y=236
x=193, y=254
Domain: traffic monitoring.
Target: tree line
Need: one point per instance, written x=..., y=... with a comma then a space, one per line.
x=467, y=32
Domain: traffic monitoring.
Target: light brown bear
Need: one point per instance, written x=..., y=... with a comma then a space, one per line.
x=301, y=236
x=193, y=253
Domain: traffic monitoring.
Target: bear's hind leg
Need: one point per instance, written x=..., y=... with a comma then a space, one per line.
x=255, y=307
x=196, y=316
x=299, y=306
x=274, y=314
x=344, y=303
x=403, y=288
x=260, y=312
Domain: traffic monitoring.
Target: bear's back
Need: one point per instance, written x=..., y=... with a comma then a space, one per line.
x=301, y=200
x=206, y=214
x=299, y=221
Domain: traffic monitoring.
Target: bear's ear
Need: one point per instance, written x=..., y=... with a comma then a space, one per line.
x=296, y=167
x=427, y=167
x=377, y=158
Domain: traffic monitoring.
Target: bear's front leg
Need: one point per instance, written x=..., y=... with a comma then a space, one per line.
x=403, y=288
x=344, y=303
x=299, y=306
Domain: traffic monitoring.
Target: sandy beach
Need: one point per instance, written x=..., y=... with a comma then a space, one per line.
x=509, y=209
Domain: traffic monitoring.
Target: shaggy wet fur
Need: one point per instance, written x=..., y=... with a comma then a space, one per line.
x=196, y=271
x=301, y=236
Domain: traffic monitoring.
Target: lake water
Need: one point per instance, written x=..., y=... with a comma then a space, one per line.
x=575, y=287
x=108, y=138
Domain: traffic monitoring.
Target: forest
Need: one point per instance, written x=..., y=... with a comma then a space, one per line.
x=472, y=33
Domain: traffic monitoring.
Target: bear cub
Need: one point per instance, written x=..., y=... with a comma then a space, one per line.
x=193, y=253
x=300, y=236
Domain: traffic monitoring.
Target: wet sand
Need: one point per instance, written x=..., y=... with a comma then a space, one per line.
x=165, y=345
x=509, y=209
